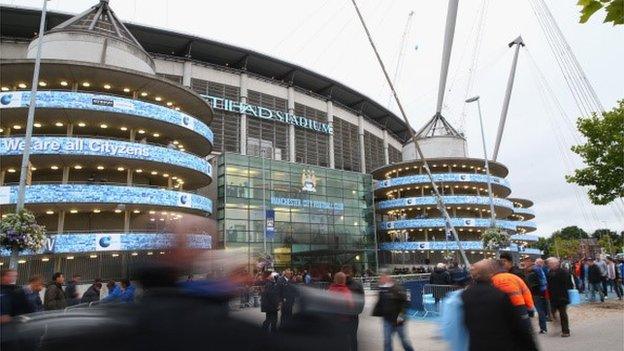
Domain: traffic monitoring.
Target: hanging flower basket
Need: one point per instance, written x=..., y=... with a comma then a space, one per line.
x=20, y=231
x=495, y=239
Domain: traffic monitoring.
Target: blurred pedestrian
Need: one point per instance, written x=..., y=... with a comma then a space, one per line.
x=93, y=292
x=491, y=318
x=439, y=276
x=509, y=265
x=54, y=298
x=602, y=265
x=27, y=299
x=340, y=288
x=559, y=282
x=8, y=278
x=537, y=284
x=269, y=302
x=357, y=291
x=459, y=275
x=391, y=306
x=127, y=291
x=594, y=278
x=72, y=296
x=114, y=292
x=288, y=294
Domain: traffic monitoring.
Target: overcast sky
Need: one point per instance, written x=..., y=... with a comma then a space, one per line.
x=325, y=36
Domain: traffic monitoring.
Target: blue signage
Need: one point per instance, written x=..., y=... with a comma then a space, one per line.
x=448, y=246
x=440, y=178
x=90, y=242
x=441, y=223
x=270, y=224
x=300, y=203
x=107, y=103
x=105, y=148
x=448, y=200
x=100, y=193
x=218, y=103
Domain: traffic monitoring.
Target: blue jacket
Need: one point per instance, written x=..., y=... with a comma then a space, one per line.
x=113, y=295
x=128, y=294
x=543, y=283
x=452, y=326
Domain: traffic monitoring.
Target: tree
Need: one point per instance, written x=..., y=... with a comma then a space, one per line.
x=570, y=233
x=614, y=9
x=544, y=244
x=566, y=248
x=608, y=240
x=602, y=153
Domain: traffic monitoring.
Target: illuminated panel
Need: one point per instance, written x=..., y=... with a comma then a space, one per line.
x=440, y=177
x=448, y=200
x=113, y=194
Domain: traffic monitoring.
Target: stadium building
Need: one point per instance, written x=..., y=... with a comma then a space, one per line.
x=133, y=123
x=411, y=228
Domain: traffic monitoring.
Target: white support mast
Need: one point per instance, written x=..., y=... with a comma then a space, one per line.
x=510, y=82
x=449, y=34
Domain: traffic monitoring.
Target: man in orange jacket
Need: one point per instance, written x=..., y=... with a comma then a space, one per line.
x=518, y=292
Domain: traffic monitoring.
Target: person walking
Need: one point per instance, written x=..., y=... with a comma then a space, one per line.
x=584, y=275
x=343, y=321
x=27, y=299
x=518, y=292
x=492, y=320
x=614, y=277
x=536, y=281
x=288, y=295
x=602, y=265
x=357, y=293
x=71, y=291
x=93, y=292
x=391, y=305
x=8, y=278
x=54, y=297
x=439, y=276
x=559, y=282
x=594, y=278
x=269, y=303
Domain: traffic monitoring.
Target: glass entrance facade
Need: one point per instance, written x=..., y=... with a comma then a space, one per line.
x=311, y=215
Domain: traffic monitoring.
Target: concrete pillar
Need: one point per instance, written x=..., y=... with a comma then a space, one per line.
x=61, y=222
x=361, y=140
x=386, y=147
x=132, y=135
x=74, y=87
x=65, y=179
x=129, y=177
x=186, y=73
x=292, y=155
x=2, y=175
x=126, y=221
x=243, y=124
x=169, y=183
x=330, y=121
x=70, y=129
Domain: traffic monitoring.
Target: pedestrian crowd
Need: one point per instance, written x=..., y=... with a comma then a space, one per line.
x=17, y=300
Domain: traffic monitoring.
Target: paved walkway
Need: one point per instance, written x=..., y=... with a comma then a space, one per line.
x=594, y=327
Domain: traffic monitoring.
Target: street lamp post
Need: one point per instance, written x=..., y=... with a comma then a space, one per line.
x=485, y=157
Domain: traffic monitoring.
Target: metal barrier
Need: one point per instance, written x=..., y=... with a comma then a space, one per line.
x=433, y=295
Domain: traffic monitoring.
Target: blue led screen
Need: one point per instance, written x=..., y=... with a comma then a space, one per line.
x=98, y=193
x=106, y=103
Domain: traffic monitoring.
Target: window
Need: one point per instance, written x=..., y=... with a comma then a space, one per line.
x=394, y=154
x=267, y=138
x=346, y=146
x=225, y=125
x=374, y=151
x=311, y=147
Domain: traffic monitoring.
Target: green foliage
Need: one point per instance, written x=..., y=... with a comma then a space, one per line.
x=602, y=153
x=570, y=233
x=609, y=240
x=566, y=248
x=614, y=9
x=495, y=238
x=20, y=231
x=545, y=244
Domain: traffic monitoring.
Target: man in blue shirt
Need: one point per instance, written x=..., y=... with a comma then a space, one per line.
x=114, y=292
x=127, y=291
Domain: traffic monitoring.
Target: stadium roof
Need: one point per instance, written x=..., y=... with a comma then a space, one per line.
x=21, y=23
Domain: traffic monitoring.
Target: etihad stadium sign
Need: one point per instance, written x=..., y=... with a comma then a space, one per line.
x=261, y=112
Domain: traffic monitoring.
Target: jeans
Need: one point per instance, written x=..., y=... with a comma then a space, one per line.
x=270, y=322
x=352, y=333
x=617, y=287
x=542, y=311
x=390, y=328
x=563, y=316
x=286, y=314
x=604, y=286
x=593, y=287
